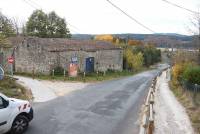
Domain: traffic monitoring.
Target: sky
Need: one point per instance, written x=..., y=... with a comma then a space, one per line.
x=99, y=17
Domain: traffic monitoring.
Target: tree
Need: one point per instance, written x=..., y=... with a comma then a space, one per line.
x=196, y=29
x=47, y=26
x=106, y=37
x=138, y=61
x=133, y=60
x=57, y=27
x=6, y=26
x=37, y=24
x=135, y=42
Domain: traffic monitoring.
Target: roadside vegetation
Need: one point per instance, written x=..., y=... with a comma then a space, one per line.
x=88, y=77
x=11, y=88
x=185, y=74
x=137, y=54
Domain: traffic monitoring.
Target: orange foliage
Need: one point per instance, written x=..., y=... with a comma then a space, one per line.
x=108, y=37
x=135, y=42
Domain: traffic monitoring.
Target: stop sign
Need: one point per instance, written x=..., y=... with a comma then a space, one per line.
x=10, y=60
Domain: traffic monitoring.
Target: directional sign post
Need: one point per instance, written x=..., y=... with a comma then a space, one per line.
x=11, y=61
x=1, y=73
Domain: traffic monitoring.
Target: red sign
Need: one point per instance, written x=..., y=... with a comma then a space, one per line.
x=10, y=60
x=73, y=70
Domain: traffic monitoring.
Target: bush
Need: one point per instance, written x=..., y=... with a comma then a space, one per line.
x=192, y=75
x=58, y=71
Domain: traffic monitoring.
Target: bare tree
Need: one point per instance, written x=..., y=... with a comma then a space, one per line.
x=19, y=26
x=196, y=29
x=16, y=24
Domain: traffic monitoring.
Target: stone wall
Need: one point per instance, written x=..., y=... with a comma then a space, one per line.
x=31, y=57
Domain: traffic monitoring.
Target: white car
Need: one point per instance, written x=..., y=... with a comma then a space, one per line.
x=15, y=115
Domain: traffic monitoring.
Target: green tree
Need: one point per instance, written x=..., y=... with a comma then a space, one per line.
x=57, y=26
x=6, y=26
x=47, y=26
x=37, y=24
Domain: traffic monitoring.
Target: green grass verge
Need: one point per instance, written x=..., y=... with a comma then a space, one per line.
x=90, y=77
x=11, y=88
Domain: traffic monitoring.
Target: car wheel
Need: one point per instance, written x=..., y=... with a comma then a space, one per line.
x=19, y=125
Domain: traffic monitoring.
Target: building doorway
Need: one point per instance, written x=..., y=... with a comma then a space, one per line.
x=89, y=65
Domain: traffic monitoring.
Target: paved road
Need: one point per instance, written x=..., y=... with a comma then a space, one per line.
x=110, y=107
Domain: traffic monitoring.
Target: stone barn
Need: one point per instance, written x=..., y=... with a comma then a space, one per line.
x=42, y=55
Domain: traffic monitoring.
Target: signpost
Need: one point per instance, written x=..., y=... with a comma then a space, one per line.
x=11, y=61
x=1, y=73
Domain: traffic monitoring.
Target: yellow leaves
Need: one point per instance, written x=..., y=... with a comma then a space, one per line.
x=138, y=60
x=107, y=37
x=179, y=68
x=134, y=60
x=177, y=71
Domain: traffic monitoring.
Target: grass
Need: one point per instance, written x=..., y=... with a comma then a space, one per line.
x=191, y=101
x=11, y=88
x=90, y=77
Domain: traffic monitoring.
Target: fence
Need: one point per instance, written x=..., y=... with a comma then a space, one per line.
x=191, y=87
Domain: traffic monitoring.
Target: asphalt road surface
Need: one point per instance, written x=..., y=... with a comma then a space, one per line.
x=110, y=107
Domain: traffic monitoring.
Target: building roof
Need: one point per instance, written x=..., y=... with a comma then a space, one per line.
x=62, y=44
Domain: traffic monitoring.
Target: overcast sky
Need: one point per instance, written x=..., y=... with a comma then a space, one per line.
x=99, y=17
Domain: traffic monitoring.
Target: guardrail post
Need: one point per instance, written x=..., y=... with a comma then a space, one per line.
x=151, y=120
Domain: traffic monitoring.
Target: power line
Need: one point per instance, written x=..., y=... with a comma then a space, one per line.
x=31, y=5
x=176, y=5
x=34, y=4
x=132, y=18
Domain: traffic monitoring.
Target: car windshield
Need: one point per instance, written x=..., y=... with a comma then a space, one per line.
x=3, y=96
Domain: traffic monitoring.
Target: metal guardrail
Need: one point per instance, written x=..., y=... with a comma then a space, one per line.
x=148, y=116
x=147, y=126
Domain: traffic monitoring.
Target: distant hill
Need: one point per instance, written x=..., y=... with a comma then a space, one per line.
x=82, y=36
x=138, y=36
x=161, y=39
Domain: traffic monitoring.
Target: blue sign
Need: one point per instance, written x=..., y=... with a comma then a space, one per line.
x=74, y=59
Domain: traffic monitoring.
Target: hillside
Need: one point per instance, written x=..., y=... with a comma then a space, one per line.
x=161, y=39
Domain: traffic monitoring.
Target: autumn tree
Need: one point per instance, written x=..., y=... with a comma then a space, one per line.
x=134, y=61
x=106, y=37
x=135, y=43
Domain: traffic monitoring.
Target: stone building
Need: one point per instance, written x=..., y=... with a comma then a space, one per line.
x=42, y=55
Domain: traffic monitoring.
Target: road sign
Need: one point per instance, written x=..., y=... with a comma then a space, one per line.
x=1, y=73
x=10, y=60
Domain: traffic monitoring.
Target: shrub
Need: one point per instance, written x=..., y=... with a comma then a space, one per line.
x=192, y=75
x=179, y=68
x=58, y=71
